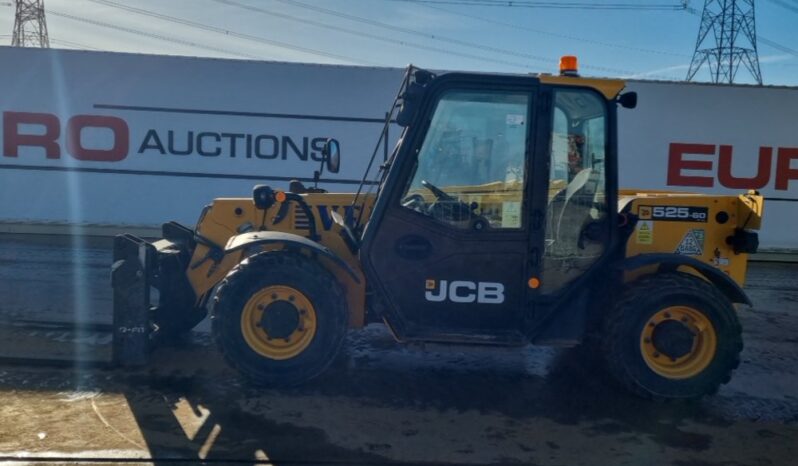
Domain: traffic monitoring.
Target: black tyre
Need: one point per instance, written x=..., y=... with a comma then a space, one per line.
x=279, y=318
x=672, y=336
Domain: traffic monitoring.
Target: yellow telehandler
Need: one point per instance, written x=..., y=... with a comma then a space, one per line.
x=496, y=220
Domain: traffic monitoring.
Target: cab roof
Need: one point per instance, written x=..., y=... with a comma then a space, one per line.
x=608, y=87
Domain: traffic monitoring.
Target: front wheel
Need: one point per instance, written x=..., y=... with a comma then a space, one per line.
x=672, y=336
x=280, y=318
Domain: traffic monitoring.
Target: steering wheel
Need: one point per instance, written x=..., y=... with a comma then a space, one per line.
x=415, y=202
x=438, y=192
x=451, y=208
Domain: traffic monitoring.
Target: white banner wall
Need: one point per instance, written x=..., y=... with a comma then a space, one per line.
x=120, y=139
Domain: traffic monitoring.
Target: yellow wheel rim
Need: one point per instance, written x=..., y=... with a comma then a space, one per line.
x=674, y=362
x=278, y=322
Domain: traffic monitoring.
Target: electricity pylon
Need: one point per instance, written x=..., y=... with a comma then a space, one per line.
x=726, y=38
x=30, y=25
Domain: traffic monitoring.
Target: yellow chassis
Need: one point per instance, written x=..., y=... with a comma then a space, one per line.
x=707, y=242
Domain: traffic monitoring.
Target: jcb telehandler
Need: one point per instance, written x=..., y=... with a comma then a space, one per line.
x=497, y=220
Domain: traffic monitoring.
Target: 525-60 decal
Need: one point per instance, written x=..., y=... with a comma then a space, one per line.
x=674, y=213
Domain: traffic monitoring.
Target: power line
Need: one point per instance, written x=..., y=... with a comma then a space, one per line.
x=777, y=46
x=394, y=41
x=554, y=5
x=438, y=37
x=73, y=44
x=786, y=5
x=226, y=32
x=549, y=33
x=395, y=28
x=139, y=32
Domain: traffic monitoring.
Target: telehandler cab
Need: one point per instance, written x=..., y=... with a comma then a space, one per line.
x=497, y=220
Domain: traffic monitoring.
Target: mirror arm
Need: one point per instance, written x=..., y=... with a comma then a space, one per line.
x=316, y=178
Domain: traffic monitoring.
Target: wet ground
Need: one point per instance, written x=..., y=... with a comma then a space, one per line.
x=381, y=403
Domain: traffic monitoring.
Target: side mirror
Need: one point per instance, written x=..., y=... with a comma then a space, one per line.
x=628, y=100
x=263, y=196
x=332, y=155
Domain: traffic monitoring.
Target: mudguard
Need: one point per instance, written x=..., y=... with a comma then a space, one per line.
x=673, y=261
x=291, y=241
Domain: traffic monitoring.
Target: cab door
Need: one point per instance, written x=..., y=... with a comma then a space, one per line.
x=448, y=246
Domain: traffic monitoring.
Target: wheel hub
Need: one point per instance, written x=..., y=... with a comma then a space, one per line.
x=280, y=319
x=673, y=339
x=278, y=322
x=678, y=342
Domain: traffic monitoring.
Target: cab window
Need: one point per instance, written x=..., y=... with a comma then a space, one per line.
x=471, y=167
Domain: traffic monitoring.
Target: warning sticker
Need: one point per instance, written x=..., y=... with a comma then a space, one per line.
x=718, y=260
x=645, y=232
x=515, y=120
x=511, y=214
x=692, y=244
x=721, y=261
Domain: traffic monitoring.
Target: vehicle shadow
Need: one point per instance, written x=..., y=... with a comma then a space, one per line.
x=189, y=406
x=308, y=423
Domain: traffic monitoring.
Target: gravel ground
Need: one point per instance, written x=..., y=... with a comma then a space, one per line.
x=381, y=403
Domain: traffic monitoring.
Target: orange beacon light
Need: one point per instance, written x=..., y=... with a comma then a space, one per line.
x=568, y=66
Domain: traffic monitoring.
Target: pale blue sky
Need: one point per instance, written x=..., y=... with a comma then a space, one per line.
x=641, y=44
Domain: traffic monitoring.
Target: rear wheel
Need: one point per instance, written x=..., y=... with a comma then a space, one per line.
x=280, y=318
x=671, y=336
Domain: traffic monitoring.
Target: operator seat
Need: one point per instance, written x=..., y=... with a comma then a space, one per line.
x=568, y=211
x=565, y=257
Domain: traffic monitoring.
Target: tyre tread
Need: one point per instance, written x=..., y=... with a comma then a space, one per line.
x=626, y=305
x=238, y=277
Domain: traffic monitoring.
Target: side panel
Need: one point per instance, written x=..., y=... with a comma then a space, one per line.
x=693, y=226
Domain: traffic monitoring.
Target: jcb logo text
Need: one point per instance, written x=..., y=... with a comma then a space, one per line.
x=461, y=291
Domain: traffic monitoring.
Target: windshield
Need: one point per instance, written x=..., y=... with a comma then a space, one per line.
x=474, y=154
